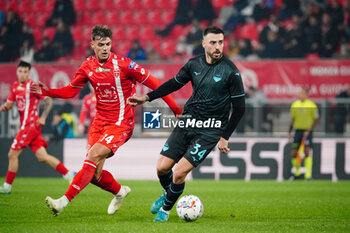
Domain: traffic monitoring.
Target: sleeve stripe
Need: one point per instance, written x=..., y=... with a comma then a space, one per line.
x=235, y=96
x=145, y=78
x=178, y=81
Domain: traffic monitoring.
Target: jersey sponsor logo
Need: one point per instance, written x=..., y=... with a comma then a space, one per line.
x=143, y=71
x=106, y=93
x=132, y=64
x=137, y=67
x=217, y=77
x=20, y=88
x=196, y=73
x=100, y=69
x=152, y=120
x=238, y=74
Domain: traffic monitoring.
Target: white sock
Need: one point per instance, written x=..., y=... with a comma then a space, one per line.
x=64, y=200
x=66, y=176
x=165, y=211
x=7, y=186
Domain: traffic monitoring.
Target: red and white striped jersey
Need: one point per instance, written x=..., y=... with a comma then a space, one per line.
x=113, y=81
x=27, y=102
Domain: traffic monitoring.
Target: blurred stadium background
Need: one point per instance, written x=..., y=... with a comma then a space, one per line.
x=276, y=45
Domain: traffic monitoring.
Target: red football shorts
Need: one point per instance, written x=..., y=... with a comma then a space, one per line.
x=29, y=136
x=112, y=136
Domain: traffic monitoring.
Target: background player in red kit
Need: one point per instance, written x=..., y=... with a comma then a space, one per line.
x=113, y=78
x=88, y=109
x=30, y=132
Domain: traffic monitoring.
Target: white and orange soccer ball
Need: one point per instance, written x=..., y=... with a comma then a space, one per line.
x=189, y=208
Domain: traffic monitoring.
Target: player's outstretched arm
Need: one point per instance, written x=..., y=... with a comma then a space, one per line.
x=6, y=106
x=47, y=109
x=64, y=92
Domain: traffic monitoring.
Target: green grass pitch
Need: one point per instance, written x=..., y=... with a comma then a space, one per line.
x=229, y=206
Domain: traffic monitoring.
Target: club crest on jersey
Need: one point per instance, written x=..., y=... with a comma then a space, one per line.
x=100, y=69
x=116, y=73
x=217, y=77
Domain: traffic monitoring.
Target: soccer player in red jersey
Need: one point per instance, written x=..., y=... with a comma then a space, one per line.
x=113, y=78
x=30, y=131
x=87, y=109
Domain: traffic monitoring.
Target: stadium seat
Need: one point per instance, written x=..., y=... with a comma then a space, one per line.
x=155, y=17
x=49, y=32
x=219, y=3
x=92, y=5
x=41, y=19
x=168, y=16
x=98, y=17
x=126, y=17
x=38, y=34
x=147, y=32
x=141, y=17
x=50, y=4
x=85, y=18
x=123, y=48
x=11, y=4
x=30, y=18
x=133, y=32
x=107, y=5
x=119, y=33
x=25, y=6
x=166, y=4
x=39, y=6
x=112, y=18
x=148, y=4
x=249, y=31
x=168, y=48
x=78, y=33
x=79, y=5
x=134, y=4
x=177, y=32
x=121, y=4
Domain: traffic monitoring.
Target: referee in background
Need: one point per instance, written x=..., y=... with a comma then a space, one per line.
x=304, y=113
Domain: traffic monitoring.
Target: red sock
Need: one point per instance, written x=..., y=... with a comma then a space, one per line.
x=10, y=177
x=81, y=179
x=107, y=182
x=61, y=168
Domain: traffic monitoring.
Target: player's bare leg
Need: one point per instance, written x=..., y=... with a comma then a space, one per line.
x=96, y=155
x=12, y=171
x=42, y=156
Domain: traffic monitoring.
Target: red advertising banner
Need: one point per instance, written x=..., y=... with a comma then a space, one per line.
x=277, y=79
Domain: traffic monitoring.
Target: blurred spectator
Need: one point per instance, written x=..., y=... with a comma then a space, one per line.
x=204, y=10
x=273, y=25
x=64, y=123
x=26, y=52
x=273, y=48
x=2, y=17
x=310, y=8
x=183, y=16
x=136, y=52
x=63, y=10
x=27, y=35
x=232, y=49
x=313, y=35
x=4, y=53
x=62, y=42
x=342, y=111
x=45, y=53
x=11, y=31
x=152, y=54
x=236, y=17
x=295, y=39
x=336, y=13
x=330, y=37
x=194, y=36
x=288, y=8
x=263, y=9
x=245, y=48
x=181, y=48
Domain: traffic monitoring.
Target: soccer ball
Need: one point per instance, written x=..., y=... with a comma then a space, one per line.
x=189, y=208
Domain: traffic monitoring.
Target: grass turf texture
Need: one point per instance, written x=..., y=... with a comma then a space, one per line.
x=229, y=206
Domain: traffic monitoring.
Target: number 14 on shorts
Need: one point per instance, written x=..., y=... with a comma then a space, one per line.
x=107, y=138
